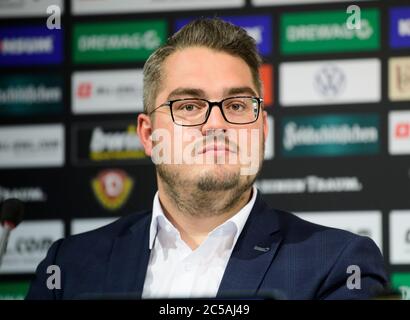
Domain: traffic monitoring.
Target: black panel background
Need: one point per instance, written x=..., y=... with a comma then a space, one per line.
x=385, y=179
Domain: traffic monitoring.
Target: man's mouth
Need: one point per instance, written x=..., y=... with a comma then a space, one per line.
x=216, y=148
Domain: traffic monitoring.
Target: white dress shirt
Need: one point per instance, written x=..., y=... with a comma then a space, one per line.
x=177, y=271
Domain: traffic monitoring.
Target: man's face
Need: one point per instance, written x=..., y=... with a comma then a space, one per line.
x=213, y=153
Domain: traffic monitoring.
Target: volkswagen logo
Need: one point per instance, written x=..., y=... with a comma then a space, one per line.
x=330, y=81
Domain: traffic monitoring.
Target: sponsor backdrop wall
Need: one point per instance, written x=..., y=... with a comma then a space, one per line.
x=338, y=101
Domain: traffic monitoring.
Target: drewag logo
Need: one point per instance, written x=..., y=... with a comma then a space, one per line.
x=326, y=31
x=117, y=41
x=30, y=45
x=330, y=135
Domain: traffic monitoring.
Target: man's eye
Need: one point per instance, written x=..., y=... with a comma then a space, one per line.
x=189, y=107
x=236, y=107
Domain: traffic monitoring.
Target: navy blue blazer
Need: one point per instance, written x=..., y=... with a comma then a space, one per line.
x=277, y=255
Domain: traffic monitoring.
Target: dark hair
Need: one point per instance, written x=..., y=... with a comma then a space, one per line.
x=210, y=33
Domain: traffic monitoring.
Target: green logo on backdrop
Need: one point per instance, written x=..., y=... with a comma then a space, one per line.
x=117, y=41
x=23, y=95
x=330, y=135
x=326, y=31
x=13, y=290
x=401, y=282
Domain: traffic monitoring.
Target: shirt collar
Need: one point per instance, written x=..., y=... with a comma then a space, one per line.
x=239, y=219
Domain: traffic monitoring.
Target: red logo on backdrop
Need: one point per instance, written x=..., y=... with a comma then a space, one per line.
x=266, y=74
x=402, y=130
x=112, y=188
x=84, y=90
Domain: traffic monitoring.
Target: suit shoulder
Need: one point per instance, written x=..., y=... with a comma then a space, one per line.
x=107, y=233
x=297, y=228
x=331, y=245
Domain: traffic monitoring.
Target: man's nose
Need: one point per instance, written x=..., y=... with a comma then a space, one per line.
x=215, y=120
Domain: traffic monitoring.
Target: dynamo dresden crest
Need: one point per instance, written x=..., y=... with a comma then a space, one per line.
x=112, y=188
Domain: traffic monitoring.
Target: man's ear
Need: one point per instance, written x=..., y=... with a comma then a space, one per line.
x=265, y=125
x=144, y=131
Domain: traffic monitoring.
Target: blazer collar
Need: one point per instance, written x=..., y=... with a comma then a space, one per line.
x=249, y=261
x=128, y=262
x=253, y=253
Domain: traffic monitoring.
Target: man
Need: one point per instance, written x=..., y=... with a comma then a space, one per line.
x=209, y=233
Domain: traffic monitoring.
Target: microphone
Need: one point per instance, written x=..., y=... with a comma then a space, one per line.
x=11, y=215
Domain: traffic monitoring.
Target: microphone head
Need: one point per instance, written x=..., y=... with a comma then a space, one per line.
x=12, y=212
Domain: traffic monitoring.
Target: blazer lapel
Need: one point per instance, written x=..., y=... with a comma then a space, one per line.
x=129, y=261
x=253, y=253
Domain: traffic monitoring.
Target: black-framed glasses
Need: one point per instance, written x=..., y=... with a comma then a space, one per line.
x=190, y=112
